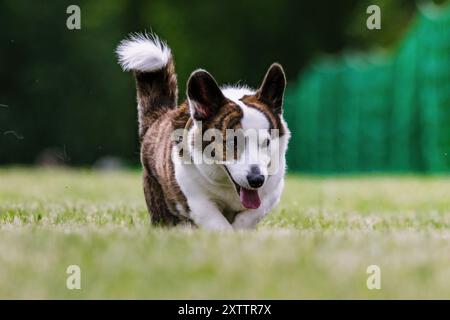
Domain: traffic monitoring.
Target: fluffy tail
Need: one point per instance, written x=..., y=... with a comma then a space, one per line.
x=156, y=82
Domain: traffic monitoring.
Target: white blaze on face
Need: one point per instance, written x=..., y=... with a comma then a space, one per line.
x=255, y=127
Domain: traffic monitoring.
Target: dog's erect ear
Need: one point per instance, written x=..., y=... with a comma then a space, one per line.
x=205, y=96
x=272, y=88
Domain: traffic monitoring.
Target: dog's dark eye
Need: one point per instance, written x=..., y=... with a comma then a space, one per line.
x=236, y=139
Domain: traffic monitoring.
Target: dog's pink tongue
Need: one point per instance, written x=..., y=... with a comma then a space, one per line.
x=250, y=198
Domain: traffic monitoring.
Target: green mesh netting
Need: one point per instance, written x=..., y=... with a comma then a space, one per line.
x=378, y=111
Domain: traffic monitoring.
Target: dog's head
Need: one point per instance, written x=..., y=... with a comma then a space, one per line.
x=239, y=129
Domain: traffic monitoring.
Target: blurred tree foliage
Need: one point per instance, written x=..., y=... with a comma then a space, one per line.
x=63, y=89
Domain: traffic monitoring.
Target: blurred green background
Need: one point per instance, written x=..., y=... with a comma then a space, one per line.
x=357, y=100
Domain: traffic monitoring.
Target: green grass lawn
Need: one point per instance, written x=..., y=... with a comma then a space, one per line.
x=317, y=244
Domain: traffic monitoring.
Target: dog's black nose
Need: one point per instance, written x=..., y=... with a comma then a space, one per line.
x=255, y=178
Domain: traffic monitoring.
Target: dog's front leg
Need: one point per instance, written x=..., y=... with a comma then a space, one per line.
x=207, y=216
x=247, y=219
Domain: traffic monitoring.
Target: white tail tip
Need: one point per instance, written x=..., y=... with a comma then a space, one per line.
x=143, y=52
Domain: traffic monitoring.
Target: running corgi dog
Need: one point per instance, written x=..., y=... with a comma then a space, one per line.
x=212, y=173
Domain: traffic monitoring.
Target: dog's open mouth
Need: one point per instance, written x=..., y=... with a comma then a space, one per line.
x=249, y=197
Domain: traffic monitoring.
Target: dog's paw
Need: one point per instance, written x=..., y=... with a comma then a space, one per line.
x=246, y=220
